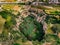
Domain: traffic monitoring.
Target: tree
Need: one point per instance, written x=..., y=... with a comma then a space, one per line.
x=10, y=19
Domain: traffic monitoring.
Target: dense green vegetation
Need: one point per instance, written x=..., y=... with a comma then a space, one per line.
x=31, y=28
x=9, y=18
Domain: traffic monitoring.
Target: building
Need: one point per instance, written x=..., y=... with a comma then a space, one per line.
x=54, y=1
x=24, y=1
